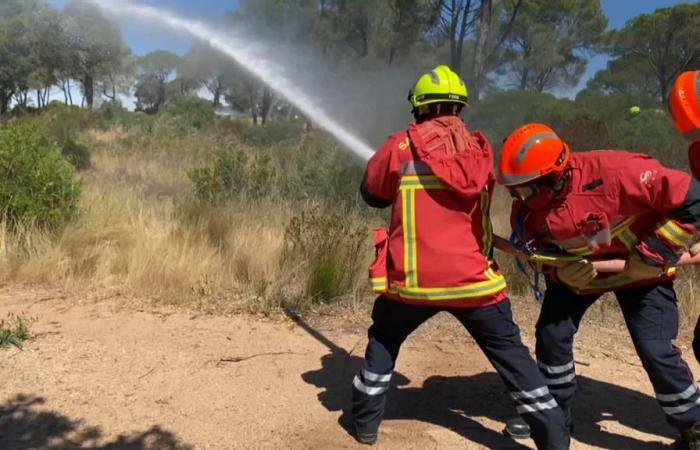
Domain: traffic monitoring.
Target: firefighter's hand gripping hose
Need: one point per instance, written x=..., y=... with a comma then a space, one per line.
x=608, y=266
x=577, y=274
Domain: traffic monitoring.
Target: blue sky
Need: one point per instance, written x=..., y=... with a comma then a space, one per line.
x=143, y=41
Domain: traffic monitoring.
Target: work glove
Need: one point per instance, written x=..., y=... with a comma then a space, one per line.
x=637, y=269
x=577, y=274
x=695, y=249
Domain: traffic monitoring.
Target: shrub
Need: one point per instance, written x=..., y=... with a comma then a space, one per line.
x=224, y=179
x=114, y=114
x=273, y=133
x=62, y=122
x=13, y=331
x=651, y=132
x=39, y=186
x=501, y=112
x=76, y=153
x=192, y=112
x=330, y=244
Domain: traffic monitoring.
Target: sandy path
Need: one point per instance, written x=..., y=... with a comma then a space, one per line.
x=103, y=375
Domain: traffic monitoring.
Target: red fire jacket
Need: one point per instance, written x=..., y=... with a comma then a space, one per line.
x=694, y=159
x=437, y=177
x=615, y=202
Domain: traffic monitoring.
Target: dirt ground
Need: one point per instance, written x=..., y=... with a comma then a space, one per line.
x=111, y=373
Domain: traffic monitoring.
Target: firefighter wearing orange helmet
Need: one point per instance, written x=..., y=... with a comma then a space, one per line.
x=436, y=255
x=684, y=106
x=604, y=205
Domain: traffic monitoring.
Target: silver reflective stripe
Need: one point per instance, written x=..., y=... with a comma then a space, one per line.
x=525, y=148
x=535, y=393
x=556, y=369
x=369, y=376
x=680, y=409
x=563, y=380
x=697, y=86
x=414, y=168
x=360, y=386
x=692, y=389
x=522, y=409
x=512, y=180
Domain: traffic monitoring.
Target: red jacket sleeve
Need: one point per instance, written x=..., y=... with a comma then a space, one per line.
x=647, y=185
x=381, y=175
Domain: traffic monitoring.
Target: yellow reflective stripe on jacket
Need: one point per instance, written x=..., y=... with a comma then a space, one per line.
x=672, y=232
x=479, y=289
x=619, y=229
x=408, y=222
x=486, y=222
x=628, y=238
x=378, y=284
x=495, y=282
x=408, y=185
x=421, y=182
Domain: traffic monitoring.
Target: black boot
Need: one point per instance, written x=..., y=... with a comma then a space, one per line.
x=365, y=437
x=517, y=428
x=690, y=438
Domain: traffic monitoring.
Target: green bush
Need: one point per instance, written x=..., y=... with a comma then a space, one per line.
x=498, y=114
x=273, y=133
x=333, y=244
x=114, y=114
x=39, y=186
x=224, y=179
x=653, y=133
x=76, y=153
x=14, y=331
x=192, y=112
x=62, y=122
x=318, y=169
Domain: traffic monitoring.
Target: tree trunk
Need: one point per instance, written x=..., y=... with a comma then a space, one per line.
x=217, y=97
x=47, y=95
x=266, y=104
x=65, y=92
x=70, y=94
x=486, y=16
x=89, y=88
x=460, y=38
x=4, y=102
x=39, y=99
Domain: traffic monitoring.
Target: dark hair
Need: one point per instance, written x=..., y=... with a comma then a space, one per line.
x=431, y=110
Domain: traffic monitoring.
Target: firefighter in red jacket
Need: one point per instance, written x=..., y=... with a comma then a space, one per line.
x=684, y=106
x=436, y=256
x=605, y=205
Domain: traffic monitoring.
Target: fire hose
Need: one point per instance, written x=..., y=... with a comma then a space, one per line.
x=604, y=266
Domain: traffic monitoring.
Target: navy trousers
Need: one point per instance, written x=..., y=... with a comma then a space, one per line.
x=651, y=315
x=498, y=337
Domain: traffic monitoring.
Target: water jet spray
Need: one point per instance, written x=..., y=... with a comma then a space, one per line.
x=237, y=49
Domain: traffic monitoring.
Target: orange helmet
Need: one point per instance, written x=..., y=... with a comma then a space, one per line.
x=531, y=152
x=684, y=104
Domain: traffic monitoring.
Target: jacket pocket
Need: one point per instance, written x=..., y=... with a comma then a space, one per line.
x=378, y=269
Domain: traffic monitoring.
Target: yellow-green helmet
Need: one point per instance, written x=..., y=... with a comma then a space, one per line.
x=438, y=86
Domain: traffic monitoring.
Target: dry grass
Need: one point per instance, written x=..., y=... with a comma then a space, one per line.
x=141, y=232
